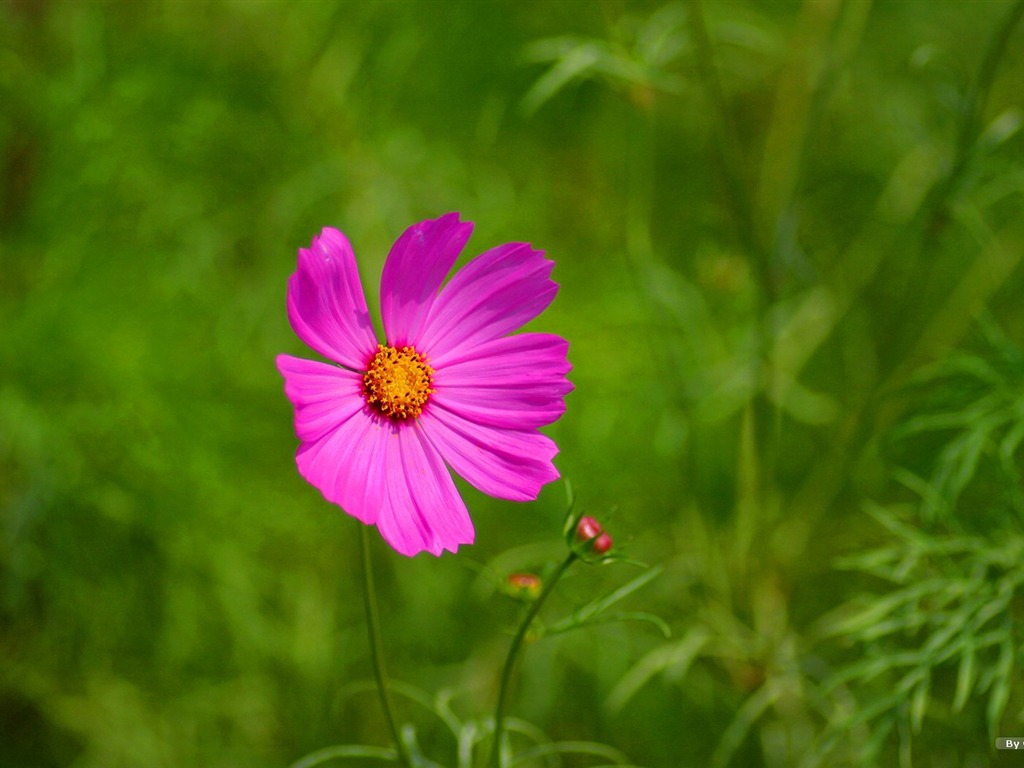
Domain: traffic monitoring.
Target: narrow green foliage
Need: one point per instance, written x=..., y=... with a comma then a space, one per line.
x=594, y=612
x=953, y=606
x=671, y=659
x=641, y=56
x=570, y=747
x=974, y=403
x=354, y=752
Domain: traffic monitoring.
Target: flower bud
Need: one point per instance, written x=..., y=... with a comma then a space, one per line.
x=521, y=584
x=591, y=538
x=588, y=528
x=602, y=544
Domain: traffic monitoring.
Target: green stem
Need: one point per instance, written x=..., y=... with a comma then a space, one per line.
x=376, y=647
x=513, y=656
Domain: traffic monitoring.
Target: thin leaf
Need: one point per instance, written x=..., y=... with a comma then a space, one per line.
x=468, y=737
x=966, y=674
x=571, y=748
x=751, y=711
x=595, y=607
x=345, y=752
x=1000, y=694
x=610, y=618
x=571, y=65
x=677, y=656
x=919, y=703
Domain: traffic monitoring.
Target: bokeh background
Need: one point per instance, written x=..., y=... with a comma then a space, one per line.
x=788, y=237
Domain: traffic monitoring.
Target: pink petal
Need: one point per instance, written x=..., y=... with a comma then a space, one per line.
x=347, y=466
x=324, y=395
x=413, y=272
x=507, y=463
x=423, y=511
x=494, y=294
x=342, y=448
x=515, y=382
x=326, y=305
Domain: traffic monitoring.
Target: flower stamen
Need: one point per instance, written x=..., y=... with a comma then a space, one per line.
x=398, y=382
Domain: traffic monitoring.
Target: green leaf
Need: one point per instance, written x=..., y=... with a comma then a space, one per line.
x=573, y=63
x=344, y=752
x=677, y=656
x=567, y=625
x=919, y=703
x=571, y=748
x=586, y=613
x=966, y=674
x=1000, y=694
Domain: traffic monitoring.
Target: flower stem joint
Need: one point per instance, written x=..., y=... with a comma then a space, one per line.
x=591, y=537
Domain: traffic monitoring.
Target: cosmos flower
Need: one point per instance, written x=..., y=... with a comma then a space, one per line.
x=448, y=386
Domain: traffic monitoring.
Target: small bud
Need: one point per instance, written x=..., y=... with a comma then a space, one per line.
x=591, y=538
x=523, y=584
x=588, y=528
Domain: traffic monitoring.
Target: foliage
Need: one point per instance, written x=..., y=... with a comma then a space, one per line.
x=947, y=623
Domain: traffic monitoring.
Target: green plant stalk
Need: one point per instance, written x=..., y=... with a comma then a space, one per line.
x=513, y=656
x=377, y=645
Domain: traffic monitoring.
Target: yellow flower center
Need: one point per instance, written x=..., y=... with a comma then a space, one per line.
x=398, y=382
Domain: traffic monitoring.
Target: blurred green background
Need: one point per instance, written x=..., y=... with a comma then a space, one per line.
x=788, y=237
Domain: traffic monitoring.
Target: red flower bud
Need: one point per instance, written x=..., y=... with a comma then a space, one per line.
x=588, y=528
x=602, y=544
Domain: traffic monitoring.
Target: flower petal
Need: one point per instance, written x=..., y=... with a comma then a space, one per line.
x=515, y=382
x=324, y=395
x=422, y=511
x=348, y=465
x=326, y=305
x=494, y=294
x=415, y=268
x=507, y=463
x=342, y=448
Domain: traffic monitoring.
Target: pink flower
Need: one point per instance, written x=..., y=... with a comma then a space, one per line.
x=448, y=386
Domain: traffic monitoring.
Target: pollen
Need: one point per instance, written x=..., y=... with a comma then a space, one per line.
x=397, y=382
